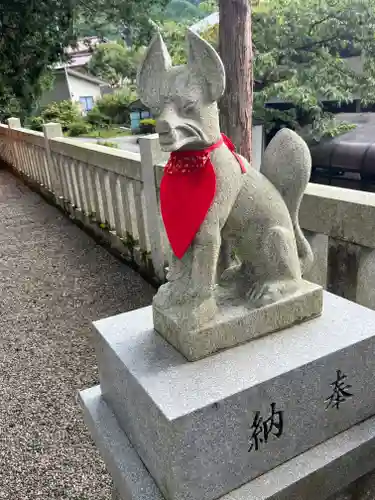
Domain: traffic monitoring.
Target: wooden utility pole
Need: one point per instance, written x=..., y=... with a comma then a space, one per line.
x=235, y=47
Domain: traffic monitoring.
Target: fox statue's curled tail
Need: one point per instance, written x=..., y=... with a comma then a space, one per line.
x=285, y=164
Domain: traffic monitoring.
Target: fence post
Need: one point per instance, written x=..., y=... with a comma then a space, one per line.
x=151, y=154
x=365, y=293
x=52, y=130
x=257, y=145
x=319, y=269
x=14, y=123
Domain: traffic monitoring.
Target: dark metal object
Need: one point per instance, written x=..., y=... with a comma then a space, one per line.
x=351, y=154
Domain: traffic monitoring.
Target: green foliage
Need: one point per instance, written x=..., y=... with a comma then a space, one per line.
x=324, y=128
x=95, y=25
x=97, y=118
x=115, y=107
x=148, y=121
x=64, y=112
x=208, y=7
x=182, y=9
x=108, y=144
x=147, y=126
x=174, y=35
x=80, y=127
x=133, y=16
x=298, y=47
x=108, y=132
x=35, y=123
x=32, y=37
x=114, y=63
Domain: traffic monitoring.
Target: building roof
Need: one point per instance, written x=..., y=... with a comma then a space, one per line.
x=85, y=44
x=81, y=53
x=82, y=76
x=88, y=78
x=76, y=61
x=205, y=23
x=137, y=106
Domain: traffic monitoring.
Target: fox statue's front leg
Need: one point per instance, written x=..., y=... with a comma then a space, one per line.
x=178, y=278
x=192, y=279
x=206, y=250
x=199, y=305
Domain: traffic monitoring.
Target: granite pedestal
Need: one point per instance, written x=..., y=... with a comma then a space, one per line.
x=316, y=474
x=205, y=429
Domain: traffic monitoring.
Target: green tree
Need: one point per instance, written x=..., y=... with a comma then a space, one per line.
x=63, y=112
x=208, y=7
x=97, y=25
x=182, y=9
x=298, y=59
x=113, y=109
x=134, y=17
x=174, y=34
x=32, y=37
x=115, y=63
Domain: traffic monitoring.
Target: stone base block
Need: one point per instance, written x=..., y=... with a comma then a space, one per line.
x=235, y=323
x=207, y=427
x=314, y=475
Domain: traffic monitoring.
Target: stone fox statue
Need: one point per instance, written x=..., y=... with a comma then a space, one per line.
x=255, y=213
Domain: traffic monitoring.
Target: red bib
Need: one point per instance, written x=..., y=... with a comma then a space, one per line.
x=187, y=191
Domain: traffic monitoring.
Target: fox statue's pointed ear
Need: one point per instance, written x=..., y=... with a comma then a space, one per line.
x=152, y=71
x=205, y=61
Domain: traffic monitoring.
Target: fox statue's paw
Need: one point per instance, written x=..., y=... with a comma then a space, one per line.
x=192, y=304
x=264, y=294
x=169, y=295
x=230, y=275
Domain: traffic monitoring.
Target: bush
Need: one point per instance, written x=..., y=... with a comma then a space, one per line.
x=98, y=119
x=78, y=128
x=35, y=123
x=64, y=112
x=148, y=122
x=115, y=107
x=147, y=126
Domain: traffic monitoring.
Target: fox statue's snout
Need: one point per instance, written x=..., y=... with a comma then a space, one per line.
x=179, y=129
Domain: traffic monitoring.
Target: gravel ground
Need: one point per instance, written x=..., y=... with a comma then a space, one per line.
x=54, y=280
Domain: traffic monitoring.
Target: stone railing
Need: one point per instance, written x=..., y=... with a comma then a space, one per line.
x=108, y=191
x=114, y=194
x=339, y=224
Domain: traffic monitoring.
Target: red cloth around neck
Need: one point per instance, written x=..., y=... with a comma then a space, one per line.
x=187, y=191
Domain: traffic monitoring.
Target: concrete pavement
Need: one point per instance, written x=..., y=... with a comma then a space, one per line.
x=126, y=142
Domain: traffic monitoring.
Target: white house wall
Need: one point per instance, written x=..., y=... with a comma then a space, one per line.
x=83, y=88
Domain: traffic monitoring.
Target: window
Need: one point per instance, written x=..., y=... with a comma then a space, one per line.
x=87, y=103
